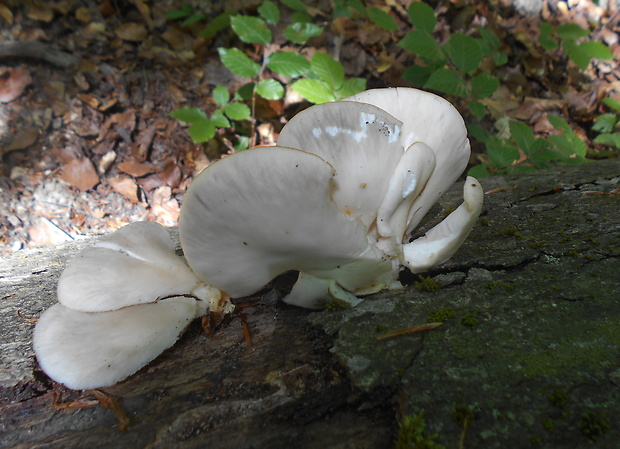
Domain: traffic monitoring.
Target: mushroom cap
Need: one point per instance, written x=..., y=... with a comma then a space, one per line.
x=442, y=241
x=360, y=141
x=92, y=350
x=133, y=265
x=430, y=119
x=256, y=214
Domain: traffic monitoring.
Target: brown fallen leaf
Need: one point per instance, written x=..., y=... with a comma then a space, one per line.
x=126, y=187
x=137, y=169
x=80, y=173
x=13, y=83
x=41, y=12
x=132, y=32
x=22, y=140
x=6, y=14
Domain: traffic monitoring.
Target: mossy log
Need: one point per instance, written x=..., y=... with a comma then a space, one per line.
x=528, y=354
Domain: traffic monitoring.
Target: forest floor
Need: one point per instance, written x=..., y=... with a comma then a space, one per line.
x=86, y=88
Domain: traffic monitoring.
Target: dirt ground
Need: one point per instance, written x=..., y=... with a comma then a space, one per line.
x=86, y=142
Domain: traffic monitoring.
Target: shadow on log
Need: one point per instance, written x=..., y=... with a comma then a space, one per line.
x=529, y=353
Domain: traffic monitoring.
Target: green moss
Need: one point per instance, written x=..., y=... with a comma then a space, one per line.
x=592, y=426
x=493, y=286
x=464, y=414
x=485, y=222
x=535, y=440
x=426, y=284
x=548, y=424
x=441, y=315
x=470, y=319
x=558, y=398
x=380, y=328
x=510, y=232
x=591, y=239
x=574, y=253
x=411, y=434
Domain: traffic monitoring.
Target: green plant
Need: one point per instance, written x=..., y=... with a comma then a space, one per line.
x=411, y=434
x=568, y=36
x=320, y=80
x=454, y=68
x=517, y=149
x=608, y=125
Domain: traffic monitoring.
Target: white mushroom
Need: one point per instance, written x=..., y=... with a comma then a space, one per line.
x=122, y=303
x=341, y=218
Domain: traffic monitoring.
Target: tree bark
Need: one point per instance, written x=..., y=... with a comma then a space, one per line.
x=528, y=352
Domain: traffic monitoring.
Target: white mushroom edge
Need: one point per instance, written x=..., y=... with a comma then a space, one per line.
x=121, y=304
x=336, y=200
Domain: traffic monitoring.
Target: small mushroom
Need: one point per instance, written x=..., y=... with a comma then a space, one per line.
x=342, y=217
x=121, y=303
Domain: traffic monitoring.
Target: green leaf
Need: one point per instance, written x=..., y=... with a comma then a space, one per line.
x=328, y=70
x=315, y=91
x=501, y=153
x=193, y=19
x=571, y=32
x=447, y=81
x=350, y=87
x=252, y=30
x=609, y=139
x=238, y=62
x=479, y=171
x=269, y=11
x=219, y=119
x=488, y=42
x=245, y=92
x=299, y=33
x=301, y=17
x=381, y=18
x=297, y=5
x=189, y=115
x=564, y=145
x=219, y=23
x=522, y=135
x=243, y=143
x=418, y=74
x=221, y=96
x=186, y=10
x=545, y=38
x=559, y=124
x=484, y=85
x=421, y=43
x=422, y=16
x=582, y=54
x=270, y=89
x=478, y=132
x=237, y=111
x=287, y=63
x=477, y=109
x=500, y=58
x=605, y=123
x=464, y=51
x=612, y=103
x=202, y=131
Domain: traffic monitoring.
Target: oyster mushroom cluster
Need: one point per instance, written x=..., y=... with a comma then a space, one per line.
x=336, y=200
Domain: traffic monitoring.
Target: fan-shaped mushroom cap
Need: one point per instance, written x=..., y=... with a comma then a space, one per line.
x=256, y=214
x=133, y=265
x=430, y=119
x=92, y=350
x=442, y=241
x=360, y=141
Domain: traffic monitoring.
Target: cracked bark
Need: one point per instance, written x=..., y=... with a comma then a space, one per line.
x=536, y=302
